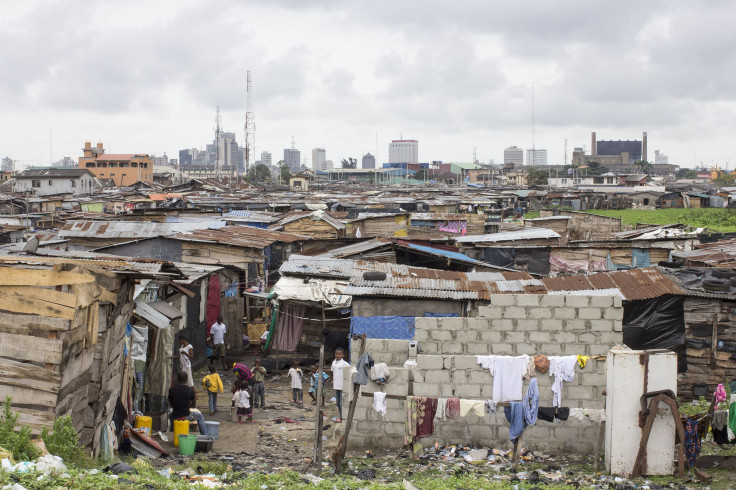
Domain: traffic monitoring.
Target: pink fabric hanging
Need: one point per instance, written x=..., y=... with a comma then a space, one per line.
x=289, y=326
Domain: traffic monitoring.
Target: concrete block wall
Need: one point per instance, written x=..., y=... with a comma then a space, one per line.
x=510, y=325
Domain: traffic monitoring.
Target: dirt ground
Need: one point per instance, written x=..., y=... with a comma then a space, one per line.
x=266, y=445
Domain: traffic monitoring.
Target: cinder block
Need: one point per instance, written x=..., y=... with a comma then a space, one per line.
x=617, y=302
x=565, y=313
x=618, y=325
x=564, y=337
x=514, y=312
x=611, y=338
x=467, y=362
x=468, y=391
x=502, y=349
x=491, y=336
x=442, y=335
x=544, y=337
x=613, y=313
x=601, y=325
x=551, y=324
x=514, y=337
x=479, y=377
x=484, y=311
x=425, y=323
x=432, y=348
x=430, y=362
x=601, y=301
x=427, y=389
x=527, y=324
x=451, y=348
x=577, y=326
x=592, y=378
x=467, y=336
x=494, y=311
x=502, y=324
x=477, y=324
x=598, y=350
x=421, y=335
x=452, y=323
x=459, y=376
x=526, y=348
x=527, y=299
x=540, y=313
x=575, y=349
x=397, y=346
x=437, y=376
x=551, y=349
x=552, y=300
x=587, y=338
x=575, y=301
x=478, y=348
x=572, y=392
x=589, y=313
x=503, y=299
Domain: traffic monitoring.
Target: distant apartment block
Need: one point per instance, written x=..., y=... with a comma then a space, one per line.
x=55, y=181
x=660, y=159
x=403, y=151
x=319, y=155
x=369, y=161
x=292, y=158
x=122, y=168
x=513, y=154
x=7, y=165
x=536, y=157
x=266, y=158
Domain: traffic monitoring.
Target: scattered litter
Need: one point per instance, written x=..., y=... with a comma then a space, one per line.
x=163, y=436
x=50, y=464
x=314, y=480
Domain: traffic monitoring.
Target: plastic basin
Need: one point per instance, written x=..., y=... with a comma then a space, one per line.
x=213, y=429
x=187, y=444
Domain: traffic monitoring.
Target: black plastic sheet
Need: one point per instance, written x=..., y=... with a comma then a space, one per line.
x=656, y=324
x=501, y=257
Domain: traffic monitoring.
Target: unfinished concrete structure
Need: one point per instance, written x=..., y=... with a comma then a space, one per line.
x=512, y=325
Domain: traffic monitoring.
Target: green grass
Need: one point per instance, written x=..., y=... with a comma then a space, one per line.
x=723, y=220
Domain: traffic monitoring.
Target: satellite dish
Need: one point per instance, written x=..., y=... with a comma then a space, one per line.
x=31, y=245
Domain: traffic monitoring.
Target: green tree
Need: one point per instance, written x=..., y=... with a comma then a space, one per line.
x=724, y=179
x=644, y=166
x=349, y=163
x=536, y=177
x=422, y=174
x=284, y=172
x=259, y=173
x=595, y=168
x=687, y=173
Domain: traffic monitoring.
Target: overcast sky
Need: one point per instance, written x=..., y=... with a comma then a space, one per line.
x=349, y=76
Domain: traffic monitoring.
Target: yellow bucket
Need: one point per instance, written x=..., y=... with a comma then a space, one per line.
x=181, y=428
x=145, y=423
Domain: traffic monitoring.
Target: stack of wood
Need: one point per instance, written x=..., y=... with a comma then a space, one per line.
x=61, y=349
x=710, y=327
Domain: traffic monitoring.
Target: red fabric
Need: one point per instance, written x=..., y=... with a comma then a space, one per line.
x=452, y=408
x=426, y=410
x=213, y=301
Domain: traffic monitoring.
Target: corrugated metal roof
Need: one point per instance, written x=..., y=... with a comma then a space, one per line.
x=328, y=291
x=527, y=234
x=457, y=256
x=241, y=236
x=315, y=215
x=129, y=229
x=633, y=284
x=356, y=248
x=716, y=254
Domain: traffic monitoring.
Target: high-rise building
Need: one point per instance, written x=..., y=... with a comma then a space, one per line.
x=369, y=161
x=513, y=154
x=266, y=158
x=292, y=157
x=7, y=165
x=536, y=157
x=327, y=165
x=660, y=158
x=403, y=151
x=319, y=155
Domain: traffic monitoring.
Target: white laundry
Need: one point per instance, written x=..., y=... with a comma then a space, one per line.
x=597, y=416
x=440, y=413
x=478, y=406
x=563, y=369
x=578, y=413
x=380, y=371
x=379, y=402
x=508, y=375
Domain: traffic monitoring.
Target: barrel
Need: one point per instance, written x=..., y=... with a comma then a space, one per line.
x=181, y=428
x=145, y=423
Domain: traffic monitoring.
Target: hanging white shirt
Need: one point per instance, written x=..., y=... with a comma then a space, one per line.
x=563, y=369
x=379, y=402
x=508, y=373
x=337, y=376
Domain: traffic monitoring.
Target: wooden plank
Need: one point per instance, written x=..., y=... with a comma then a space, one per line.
x=18, y=304
x=36, y=419
x=51, y=295
x=317, y=459
x=16, y=276
x=27, y=396
x=14, y=373
x=11, y=321
x=34, y=349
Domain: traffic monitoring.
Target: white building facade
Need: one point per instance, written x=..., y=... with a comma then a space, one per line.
x=403, y=151
x=319, y=155
x=513, y=154
x=54, y=181
x=536, y=157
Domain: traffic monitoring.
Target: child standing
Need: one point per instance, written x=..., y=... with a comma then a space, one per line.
x=259, y=385
x=212, y=384
x=313, y=378
x=242, y=399
x=297, y=393
x=337, y=379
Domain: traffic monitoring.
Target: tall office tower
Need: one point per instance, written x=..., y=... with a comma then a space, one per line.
x=369, y=161
x=536, y=157
x=513, y=154
x=403, y=151
x=319, y=155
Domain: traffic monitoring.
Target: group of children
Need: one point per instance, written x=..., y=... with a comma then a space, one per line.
x=244, y=390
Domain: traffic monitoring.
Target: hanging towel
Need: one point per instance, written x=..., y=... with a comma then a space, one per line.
x=420, y=414
x=563, y=369
x=692, y=442
x=531, y=402
x=508, y=375
x=577, y=413
x=379, y=402
x=515, y=415
x=720, y=418
x=732, y=415
x=546, y=413
x=582, y=360
x=597, y=416
x=380, y=372
x=441, y=404
x=720, y=394
x=453, y=408
x=364, y=364
x=563, y=413
x=478, y=406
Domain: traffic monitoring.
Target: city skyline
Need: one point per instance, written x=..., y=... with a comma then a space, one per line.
x=155, y=91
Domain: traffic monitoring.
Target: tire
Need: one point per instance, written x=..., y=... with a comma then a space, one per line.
x=716, y=285
x=670, y=265
x=721, y=274
x=374, y=276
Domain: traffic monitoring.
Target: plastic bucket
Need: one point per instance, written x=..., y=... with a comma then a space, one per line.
x=181, y=428
x=187, y=444
x=213, y=429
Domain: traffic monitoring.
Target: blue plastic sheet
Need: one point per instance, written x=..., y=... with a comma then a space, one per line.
x=640, y=257
x=383, y=327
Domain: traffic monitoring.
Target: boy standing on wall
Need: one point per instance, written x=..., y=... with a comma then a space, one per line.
x=337, y=379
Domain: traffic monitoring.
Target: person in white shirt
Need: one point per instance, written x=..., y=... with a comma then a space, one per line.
x=186, y=354
x=337, y=379
x=217, y=332
x=241, y=398
x=297, y=393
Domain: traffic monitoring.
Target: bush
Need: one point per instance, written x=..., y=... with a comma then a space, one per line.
x=64, y=443
x=17, y=441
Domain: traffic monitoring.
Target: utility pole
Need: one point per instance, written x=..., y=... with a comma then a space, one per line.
x=250, y=125
x=217, y=145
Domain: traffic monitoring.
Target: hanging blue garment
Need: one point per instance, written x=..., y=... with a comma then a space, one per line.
x=531, y=402
x=515, y=415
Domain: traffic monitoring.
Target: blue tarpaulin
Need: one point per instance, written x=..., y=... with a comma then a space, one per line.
x=383, y=327
x=640, y=257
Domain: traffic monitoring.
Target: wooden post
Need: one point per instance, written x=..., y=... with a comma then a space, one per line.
x=318, y=419
x=599, y=446
x=516, y=454
x=342, y=446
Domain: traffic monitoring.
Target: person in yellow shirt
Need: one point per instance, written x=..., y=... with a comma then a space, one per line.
x=212, y=384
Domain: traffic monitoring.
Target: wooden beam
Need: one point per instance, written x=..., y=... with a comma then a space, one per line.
x=27, y=396
x=16, y=276
x=318, y=418
x=25, y=348
x=342, y=445
x=35, y=306
x=51, y=295
x=11, y=321
x=14, y=373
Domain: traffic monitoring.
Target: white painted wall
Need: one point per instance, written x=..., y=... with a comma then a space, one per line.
x=56, y=185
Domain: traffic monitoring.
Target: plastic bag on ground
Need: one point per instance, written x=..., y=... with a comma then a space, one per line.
x=50, y=464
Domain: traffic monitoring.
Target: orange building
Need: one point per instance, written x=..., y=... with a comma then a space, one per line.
x=123, y=168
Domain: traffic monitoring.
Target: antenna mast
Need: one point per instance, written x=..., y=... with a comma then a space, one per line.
x=250, y=125
x=534, y=147
x=218, y=153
